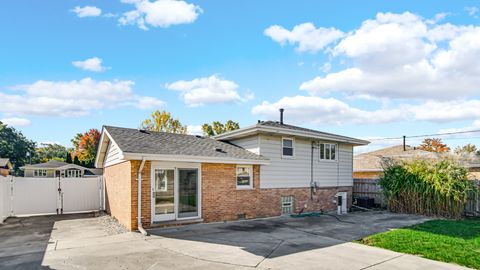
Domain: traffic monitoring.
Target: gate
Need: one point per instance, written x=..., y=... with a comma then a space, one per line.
x=27, y=196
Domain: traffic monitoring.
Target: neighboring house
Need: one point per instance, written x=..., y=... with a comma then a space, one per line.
x=54, y=168
x=370, y=165
x=264, y=170
x=5, y=166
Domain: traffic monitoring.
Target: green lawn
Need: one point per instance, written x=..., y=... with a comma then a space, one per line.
x=453, y=241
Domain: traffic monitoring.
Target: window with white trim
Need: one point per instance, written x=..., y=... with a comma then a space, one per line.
x=288, y=148
x=244, y=177
x=40, y=173
x=73, y=173
x=328, y=151
x=287, y=204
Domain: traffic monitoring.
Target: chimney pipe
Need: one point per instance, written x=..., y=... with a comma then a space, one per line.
x=281, y=116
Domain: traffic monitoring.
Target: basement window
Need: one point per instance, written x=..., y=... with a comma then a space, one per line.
x=288, y=149
x=287, y=205
x=244, y=177
x=328, y=151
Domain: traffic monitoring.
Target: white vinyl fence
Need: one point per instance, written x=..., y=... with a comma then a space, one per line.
x=27, y=196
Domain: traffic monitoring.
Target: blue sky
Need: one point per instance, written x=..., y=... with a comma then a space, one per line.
x=366, y=69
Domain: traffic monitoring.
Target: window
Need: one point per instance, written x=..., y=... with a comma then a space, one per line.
x=244, y=177
x=73, y=173
x=288, y=147
x=163, y=176
x=287, y=204
x=40, y=173
x=328, y=151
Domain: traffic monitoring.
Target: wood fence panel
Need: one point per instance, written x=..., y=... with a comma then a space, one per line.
x=368, y=188
x=472, y=208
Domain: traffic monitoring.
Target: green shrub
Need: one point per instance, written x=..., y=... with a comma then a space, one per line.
x=426, y=187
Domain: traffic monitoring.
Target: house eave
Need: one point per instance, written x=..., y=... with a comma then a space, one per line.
x=185, y=158
x=254, y=130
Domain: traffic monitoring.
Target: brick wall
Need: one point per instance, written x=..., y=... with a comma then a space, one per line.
x=222, y=201
x=118, y=197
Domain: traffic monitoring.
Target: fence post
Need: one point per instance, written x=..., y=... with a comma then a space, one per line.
x=12, y=187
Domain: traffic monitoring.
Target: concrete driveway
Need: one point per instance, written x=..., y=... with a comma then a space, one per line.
x=87, y=242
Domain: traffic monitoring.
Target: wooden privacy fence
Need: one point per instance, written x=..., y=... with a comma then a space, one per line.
x=368, y=188
x=473, y=204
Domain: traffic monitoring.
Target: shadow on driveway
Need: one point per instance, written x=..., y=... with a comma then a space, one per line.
x=276, y=237
x=23, y=241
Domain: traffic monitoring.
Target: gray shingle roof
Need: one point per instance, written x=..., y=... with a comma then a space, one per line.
x=149, y=142
x=297, y=128
x=51, y=164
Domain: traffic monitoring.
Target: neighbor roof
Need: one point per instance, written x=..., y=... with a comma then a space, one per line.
x=372, y=161
x=53, y=165
x=134, y=142
x=4, y=162
x=274, y=127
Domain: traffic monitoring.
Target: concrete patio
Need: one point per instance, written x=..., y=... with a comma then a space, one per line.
x=87, y=242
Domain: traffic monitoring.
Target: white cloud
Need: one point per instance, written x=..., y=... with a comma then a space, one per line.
x=447, y=111
x=317, y=110
x=208, y=90
x=149, y=103
x=72, y=98
x=87, y=11
x=404, y=56
x=306, y=35
x=16, y=122
x=472, y=11
x=159, y=13
x=90, y=64
x=195, y=129
x=474, y=126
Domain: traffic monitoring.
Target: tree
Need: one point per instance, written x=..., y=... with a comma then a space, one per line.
x=68, y=157
x=466, y=149
x=15, y=146
x=50, y=151
x=86, y=147
x=218, y=128
x=164, y=122
x=434, y=145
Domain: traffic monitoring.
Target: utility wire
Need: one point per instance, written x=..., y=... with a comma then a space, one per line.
x=426, y=135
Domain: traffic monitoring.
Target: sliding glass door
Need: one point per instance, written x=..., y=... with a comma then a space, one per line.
x=164, y=194
x=187, y=193
x=175, y=193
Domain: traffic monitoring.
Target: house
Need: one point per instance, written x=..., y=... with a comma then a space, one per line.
x=264, y=170
x=5, y=166
x=54, y=168
x=370, y=165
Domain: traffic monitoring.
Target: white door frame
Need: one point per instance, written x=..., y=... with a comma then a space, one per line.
x=175, y=166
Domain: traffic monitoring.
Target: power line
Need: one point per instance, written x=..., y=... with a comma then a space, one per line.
x=426, y=135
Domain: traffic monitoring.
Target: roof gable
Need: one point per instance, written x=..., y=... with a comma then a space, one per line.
x=148, y=143
x=291, y=130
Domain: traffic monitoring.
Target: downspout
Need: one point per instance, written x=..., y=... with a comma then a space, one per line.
x=312, y=183
x=139, y=203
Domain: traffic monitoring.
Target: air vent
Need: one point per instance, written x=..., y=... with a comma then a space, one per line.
x=218, y=149
x=143, y=131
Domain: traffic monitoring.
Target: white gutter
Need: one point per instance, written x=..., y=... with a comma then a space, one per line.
x=185, y=158
x=139, y=210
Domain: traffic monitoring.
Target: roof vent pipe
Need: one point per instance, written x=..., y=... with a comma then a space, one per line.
x=281, y=116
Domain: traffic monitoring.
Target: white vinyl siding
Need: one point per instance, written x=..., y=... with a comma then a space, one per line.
x=251, y=144
x=112, y=155
x=291, y=173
